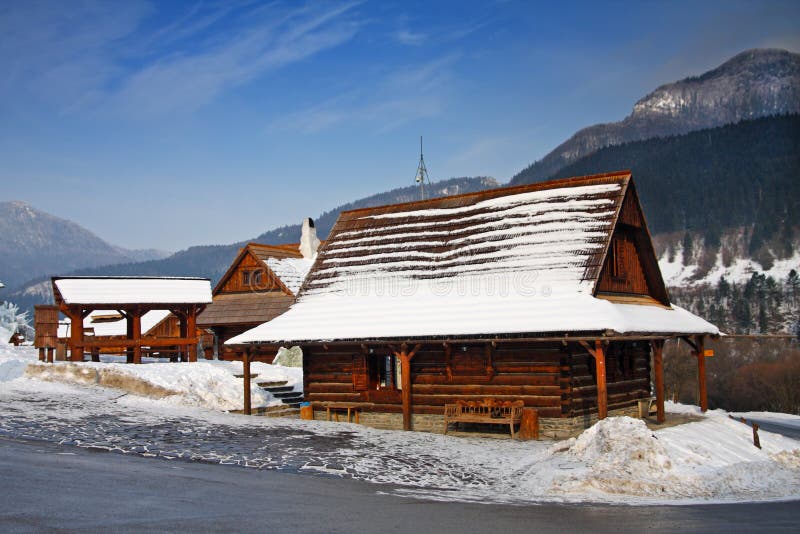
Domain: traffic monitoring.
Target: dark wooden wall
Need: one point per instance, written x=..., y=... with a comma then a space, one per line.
x=558, y=380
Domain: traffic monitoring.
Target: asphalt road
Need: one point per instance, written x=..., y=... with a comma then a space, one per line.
x=777, y=427
x=49, y=487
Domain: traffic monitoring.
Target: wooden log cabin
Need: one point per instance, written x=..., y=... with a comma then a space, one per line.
x=547, y=293
x=134, y=298
x=260, y=284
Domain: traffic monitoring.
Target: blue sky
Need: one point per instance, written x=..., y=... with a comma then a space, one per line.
x=169, y=124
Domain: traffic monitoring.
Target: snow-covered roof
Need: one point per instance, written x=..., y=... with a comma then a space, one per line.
x=132, y=290
x=291, y=271
x=521, y=260
x=114, y=328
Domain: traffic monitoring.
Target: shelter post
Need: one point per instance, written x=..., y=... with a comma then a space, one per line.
x=136, y=321
x=76, y=334
x=129, y=337
x=191, y=327
x=246, y=379
x=602, y=392
x=701, y=372
x=658, y=372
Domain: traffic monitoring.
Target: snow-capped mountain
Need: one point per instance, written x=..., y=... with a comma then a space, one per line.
x=35, y=243
x=755, y=83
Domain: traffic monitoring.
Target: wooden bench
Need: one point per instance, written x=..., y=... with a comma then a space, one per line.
x=487, y=411
x=336, y=407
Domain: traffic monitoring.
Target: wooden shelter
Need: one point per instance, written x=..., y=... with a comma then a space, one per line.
x=260, y=284
x=132, y=298
x=110, y=325
x=547, y=293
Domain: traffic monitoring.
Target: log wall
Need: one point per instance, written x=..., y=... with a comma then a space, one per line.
x=557, y=380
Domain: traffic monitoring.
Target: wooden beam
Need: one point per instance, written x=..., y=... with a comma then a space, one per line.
x=128, y=336
x=414, y=351
x=701, y=372
x=405, y=376
x=137, y=336
x=689, y=342
x=588, y=348
x=658, y=372
x=183, y=331
x=76, y=335
x=191, y=326
x=602, y=393
x=246, y=379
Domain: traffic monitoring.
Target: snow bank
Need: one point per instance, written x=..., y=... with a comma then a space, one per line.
x=14, y=360
x=208, y=384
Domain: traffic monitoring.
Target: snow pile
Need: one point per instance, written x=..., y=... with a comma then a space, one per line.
x=207, y=384
x=620, y=458
x=14, y=360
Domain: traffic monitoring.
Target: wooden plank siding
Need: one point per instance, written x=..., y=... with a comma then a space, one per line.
x=555, y=379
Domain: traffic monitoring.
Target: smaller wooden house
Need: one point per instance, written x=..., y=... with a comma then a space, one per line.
x=260, y=284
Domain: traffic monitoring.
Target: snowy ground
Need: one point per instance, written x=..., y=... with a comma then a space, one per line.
x=616, y=461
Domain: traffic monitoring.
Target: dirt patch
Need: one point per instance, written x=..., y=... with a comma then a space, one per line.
x=672, y=419
x=109, y=378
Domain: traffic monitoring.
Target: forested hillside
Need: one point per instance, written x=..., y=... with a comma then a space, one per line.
x=740, y=175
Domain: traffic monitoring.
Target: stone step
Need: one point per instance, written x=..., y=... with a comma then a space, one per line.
x=276, y=389
x=241, y=375
x=268, y=384
x=288, y=395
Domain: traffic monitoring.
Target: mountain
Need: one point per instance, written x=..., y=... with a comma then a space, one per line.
x=753, y=84
x=212, y=260
x=34, y=243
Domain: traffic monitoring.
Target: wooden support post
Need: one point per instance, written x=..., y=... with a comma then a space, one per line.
x=405, y=377
x=51, y=355
x=41, y=354
x=129, y=337
x=183, y=332
x=76, y=336
x=136, y=320
x=246, y=378
x=602, y=393
x=701, y=372
x=191, y=326
x=658, y=372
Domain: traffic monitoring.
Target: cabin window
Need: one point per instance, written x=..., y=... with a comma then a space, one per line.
x=258, y=278
x=389, y=370
x=245, y=278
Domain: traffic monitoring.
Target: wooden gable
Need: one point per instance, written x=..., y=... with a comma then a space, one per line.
x=249, y=273
x=630, y=268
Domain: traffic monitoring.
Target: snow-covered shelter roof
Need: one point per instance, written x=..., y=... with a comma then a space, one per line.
x=502, y=262
x=126, y=290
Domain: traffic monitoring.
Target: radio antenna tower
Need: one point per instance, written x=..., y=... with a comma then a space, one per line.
x=422, y=172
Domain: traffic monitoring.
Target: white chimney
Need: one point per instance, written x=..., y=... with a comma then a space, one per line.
x=309, y=242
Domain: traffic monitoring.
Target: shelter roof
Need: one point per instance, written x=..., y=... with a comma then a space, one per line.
x=127, y=290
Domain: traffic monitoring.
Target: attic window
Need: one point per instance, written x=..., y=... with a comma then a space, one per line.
x=245, y=278
x=258, y=278
x=616, y=258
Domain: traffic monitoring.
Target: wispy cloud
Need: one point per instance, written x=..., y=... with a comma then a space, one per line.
x=107, y=58
x=395, y=99
x=410, y=38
